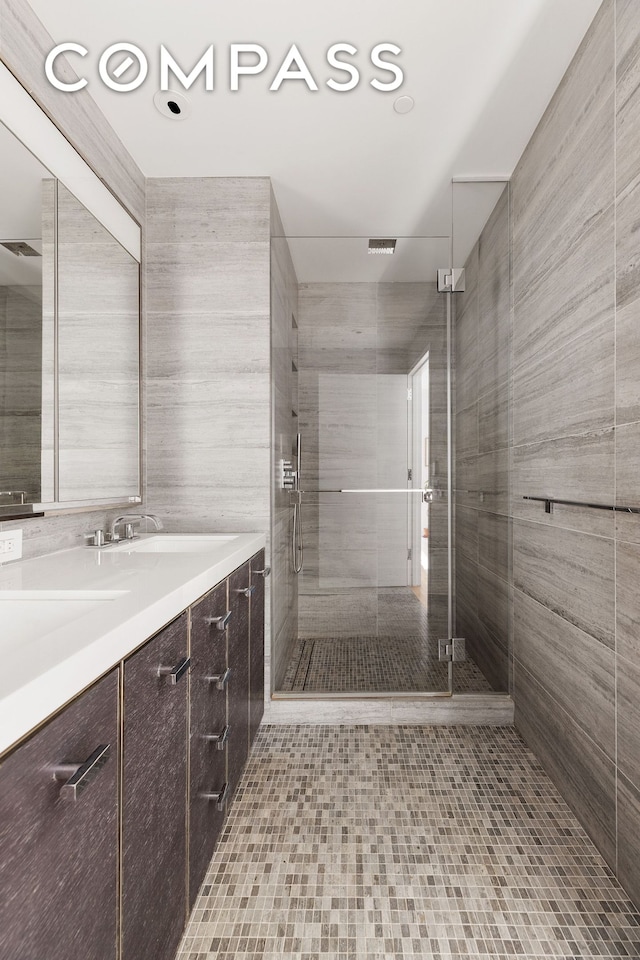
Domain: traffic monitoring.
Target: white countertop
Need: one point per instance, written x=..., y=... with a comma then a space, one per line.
x=130, y=596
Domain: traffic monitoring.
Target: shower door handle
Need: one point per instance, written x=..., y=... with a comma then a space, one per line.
x=419, y=490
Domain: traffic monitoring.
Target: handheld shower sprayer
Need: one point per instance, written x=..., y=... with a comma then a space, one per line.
x=297, y=542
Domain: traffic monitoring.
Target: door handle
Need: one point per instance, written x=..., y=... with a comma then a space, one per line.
x=78, y=776
x=262, y=573
x=221, y=623
x=246, y=591
x=174, y=674
x=221, y=679
x=219, y=739
x=219, y=798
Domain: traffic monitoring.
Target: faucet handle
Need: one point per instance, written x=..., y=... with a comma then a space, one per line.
x=95, y=538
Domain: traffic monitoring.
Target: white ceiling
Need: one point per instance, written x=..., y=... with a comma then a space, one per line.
x=481, y=73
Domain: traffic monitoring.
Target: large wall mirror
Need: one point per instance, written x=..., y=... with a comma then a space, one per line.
x=69, y=341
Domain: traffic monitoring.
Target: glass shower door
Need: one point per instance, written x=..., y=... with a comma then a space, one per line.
x=372, y=375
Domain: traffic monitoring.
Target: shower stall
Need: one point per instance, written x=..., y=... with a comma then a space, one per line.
x=388, y=471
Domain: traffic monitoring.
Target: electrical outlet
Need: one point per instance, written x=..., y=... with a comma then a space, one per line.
x=10, y=546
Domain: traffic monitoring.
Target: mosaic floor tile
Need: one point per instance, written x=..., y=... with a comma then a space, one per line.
x=368, y=664
x=402, y=657
x=395, y=842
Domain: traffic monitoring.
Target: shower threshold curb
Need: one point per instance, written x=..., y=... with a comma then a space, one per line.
x=482, y=709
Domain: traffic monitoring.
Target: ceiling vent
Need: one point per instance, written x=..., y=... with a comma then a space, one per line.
x=382, y=246
x=20, y=249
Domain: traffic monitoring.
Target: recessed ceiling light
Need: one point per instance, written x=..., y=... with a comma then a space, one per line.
x=172, y=104
x=404, y=105
x=382, y=246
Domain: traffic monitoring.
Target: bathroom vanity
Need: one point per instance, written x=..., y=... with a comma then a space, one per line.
x=125, y=727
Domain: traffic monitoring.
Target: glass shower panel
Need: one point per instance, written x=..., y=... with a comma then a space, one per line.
x=371, y=379
x=481, y=335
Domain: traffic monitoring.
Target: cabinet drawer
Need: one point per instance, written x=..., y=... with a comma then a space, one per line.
x=240, y=605
x=208, y=719
x=154, y=797
x=256, y=645
x=58, y=867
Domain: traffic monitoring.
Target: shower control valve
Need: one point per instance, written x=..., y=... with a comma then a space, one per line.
x=288, y=475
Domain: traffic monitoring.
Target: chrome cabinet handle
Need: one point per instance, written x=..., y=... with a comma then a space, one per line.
x=220, y=679
x=174, y=674
x=221, y=623
x=78, y=776
x=246, y=591
x=262, y=573
x=219, y=798
x=219, y=739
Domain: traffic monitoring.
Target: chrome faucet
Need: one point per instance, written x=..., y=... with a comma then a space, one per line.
x=129, y=519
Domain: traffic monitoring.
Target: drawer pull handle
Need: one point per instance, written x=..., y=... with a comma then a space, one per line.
x=262, y=573
x=246, y=591
x=220, y=679
x=174, y=674
x=219, y=739
x=221, y=623
x=219, y=798
x=78, y=776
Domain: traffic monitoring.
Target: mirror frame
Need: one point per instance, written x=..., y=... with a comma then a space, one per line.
x=26, y=120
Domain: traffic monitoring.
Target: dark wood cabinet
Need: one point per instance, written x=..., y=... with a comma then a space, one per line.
x=108, y=869
x=58, y=860
x=154, y=834
x=209, y=730
x=256, y=645
x=238, y=639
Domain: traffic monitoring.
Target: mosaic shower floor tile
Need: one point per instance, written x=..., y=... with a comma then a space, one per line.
x=395, y=842
x=400, y=656
x=366, y=664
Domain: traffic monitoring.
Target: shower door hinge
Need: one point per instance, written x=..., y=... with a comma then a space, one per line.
x=451, y=280
x=452, y=650
x=409, y=554
x=409, y=474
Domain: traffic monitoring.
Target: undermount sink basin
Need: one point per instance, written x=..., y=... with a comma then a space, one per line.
x=30, y=614
x=176, y=543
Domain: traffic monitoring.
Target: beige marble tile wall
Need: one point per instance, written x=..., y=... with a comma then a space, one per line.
x=482, y=321
x=208, y=349
x=284, y=404
x=357, y=343
x=208, y=352
x=24, y=43
x=576, y=435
